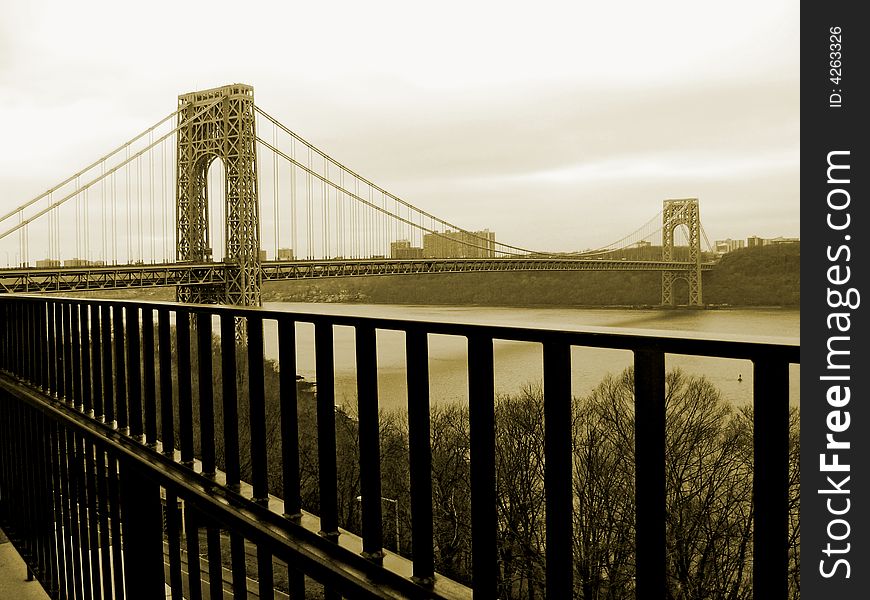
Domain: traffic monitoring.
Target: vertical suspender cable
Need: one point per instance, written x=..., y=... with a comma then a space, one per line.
x=276, y=194
x=140, y=227
x=325, y=189
x=339, y=199
x=151, y=205
x=164, y=207
x=103, y=254
x=169, y=205
x=370, y=233
x=293, y=216
x=87, y=224
x=20, y=240
x=114, y=220
x=356, y=224
x=310, y=193
x=127, y=208
x=51, y=219
x=78, y=231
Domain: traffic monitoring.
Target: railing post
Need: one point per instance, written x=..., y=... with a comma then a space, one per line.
x=420, y=455
x=149, y=381
x=96, y=362
x=290, y=439
x=325, y=369
x=75, y=332
x=257, y=412
x=191, y=529
x=230, y=401
x=289, y=418
x=67, y=354
x=143, y=533
x=369, y=443
x=206, y=393
x=185, y=395
x=484, y=519
x=770, y=479
x=134, y=373
x=164, y=361
x=649, y=465
x=108, y=387
x=120, y=369
x=172, y=525
x=51, y=347
x=558, y=472
x=85, y=349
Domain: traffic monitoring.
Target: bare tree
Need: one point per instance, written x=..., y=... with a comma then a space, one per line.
x=519, y=456
x=604, y=490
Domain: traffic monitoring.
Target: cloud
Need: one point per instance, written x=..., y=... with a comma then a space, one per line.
x=557, y=125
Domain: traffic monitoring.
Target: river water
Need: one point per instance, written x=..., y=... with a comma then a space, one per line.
x=518, y=364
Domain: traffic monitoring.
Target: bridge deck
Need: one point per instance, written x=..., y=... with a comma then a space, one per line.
x=60, y=279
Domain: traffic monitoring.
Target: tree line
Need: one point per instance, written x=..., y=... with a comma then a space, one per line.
x=708, y=470
x=760, y=276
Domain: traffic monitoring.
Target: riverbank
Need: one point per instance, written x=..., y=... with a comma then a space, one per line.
x=755, y=277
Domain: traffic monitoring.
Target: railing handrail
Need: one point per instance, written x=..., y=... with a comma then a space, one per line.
x=717, y=345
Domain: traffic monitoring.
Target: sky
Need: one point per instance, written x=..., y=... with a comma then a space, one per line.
x=559, y=125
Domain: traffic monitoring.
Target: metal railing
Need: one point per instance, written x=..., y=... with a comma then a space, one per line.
x=93, y=400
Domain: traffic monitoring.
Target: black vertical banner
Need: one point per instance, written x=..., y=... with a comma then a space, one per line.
x=835, y=370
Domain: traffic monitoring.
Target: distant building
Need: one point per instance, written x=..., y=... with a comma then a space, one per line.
x=643, y=244
x=263, y=255
x=728, y=245
x=76, y=262
x=48, y=263
x=459, y=244
x=285, y=253
x=403, y=250
x=754, y=241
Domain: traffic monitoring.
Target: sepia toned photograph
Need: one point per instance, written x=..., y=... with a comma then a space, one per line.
x=490, y=300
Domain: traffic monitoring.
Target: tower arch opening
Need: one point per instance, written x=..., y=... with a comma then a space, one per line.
x=216, y=199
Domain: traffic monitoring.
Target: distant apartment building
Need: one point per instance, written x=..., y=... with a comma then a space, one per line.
x=76, y=262
x=403, y=250
x=285, y=253
x=459, y=244
x=728, y=245
x=754, y=241
x=263, y=255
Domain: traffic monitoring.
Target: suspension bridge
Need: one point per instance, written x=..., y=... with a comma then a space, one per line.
x=219, y=196
x=110, y=421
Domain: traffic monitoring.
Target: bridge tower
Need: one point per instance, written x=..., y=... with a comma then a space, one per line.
x=674, y=213
x=219, y=123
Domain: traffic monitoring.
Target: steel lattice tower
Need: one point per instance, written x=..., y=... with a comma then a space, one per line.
x=674, y=213
x=219, y=123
